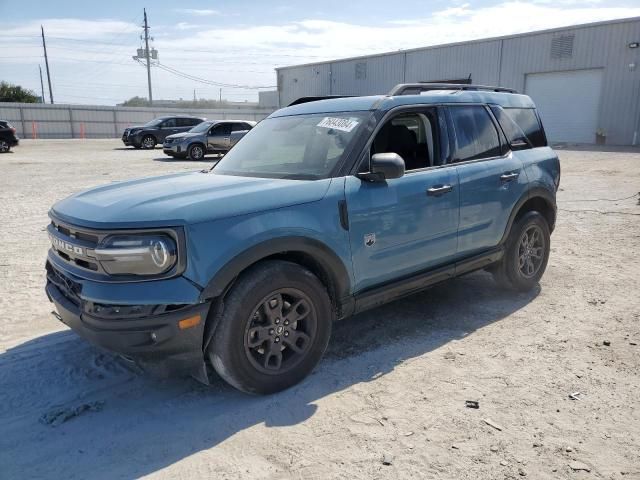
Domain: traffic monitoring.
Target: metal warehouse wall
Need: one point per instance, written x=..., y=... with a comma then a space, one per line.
x=88, y=121
x=504, y=61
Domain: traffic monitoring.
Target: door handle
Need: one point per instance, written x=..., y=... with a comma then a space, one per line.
x=508, y=177
x=438, y=190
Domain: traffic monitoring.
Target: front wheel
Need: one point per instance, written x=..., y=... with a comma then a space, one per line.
x=196, y=152
x=149, y=142
x=526, y=254
x=4, y=146
x=274, y=328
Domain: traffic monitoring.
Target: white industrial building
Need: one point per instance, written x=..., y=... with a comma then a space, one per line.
x=585, y=79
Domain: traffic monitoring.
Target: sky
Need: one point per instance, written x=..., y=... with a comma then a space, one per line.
x=235, y=45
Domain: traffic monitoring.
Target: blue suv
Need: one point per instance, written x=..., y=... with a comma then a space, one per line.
x=325, y=209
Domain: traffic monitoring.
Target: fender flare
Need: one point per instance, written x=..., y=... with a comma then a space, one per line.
x=535, y=192
x=330, y=263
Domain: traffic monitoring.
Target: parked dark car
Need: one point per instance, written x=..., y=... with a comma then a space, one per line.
x=154, y=132
x=215, y=136
x=8, y=137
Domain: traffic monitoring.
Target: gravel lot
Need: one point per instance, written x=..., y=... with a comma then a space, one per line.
x=393, y=384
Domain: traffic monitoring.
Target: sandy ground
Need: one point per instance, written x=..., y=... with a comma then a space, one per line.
x=393, y=384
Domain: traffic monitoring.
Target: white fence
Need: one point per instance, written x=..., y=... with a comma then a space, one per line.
x=37, y=120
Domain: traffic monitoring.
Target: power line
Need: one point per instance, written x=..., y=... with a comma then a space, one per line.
x=209, y=82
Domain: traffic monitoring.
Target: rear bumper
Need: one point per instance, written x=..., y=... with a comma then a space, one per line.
x=155, y=342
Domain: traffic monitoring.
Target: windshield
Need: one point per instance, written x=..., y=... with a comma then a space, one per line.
x=154, y=123
x=201, y=127
x=297, y=147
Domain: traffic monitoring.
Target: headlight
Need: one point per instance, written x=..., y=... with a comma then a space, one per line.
x=137, y=254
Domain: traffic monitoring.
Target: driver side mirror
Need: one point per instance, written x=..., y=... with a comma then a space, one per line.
x=384, y=166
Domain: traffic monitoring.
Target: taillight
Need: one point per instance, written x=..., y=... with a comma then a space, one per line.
x=13, y=130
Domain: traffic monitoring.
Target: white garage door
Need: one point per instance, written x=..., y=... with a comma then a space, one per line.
x=568, y=103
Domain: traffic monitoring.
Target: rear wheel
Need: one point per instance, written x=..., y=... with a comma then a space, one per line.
x=196, y=152
x=526, y=254
x=274, y=329
x=149, y=142
x=4, y=146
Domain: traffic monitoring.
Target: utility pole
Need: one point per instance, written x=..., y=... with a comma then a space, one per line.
x=147, y=55
x=221, y=95
x=41, y=84
x=46, y=62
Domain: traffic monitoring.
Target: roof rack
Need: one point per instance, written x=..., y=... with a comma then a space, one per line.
x=417, y=88
x=315, y=99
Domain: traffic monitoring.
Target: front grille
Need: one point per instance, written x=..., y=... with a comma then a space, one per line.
x=70, y=289
x=74, y=245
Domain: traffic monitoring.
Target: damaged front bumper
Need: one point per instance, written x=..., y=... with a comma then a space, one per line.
x=164, y=339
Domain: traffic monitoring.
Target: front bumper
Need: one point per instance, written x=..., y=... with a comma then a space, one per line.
x=132, y=140
x=174, y=149
x=153, y=340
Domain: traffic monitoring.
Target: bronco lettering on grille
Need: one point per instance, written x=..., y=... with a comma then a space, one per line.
x=66, y=247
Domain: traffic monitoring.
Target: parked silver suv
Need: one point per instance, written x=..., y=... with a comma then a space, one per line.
x=214, y=136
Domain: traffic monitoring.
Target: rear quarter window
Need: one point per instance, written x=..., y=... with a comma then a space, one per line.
x=529, y=123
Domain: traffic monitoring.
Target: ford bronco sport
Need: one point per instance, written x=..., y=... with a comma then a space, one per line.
x=324, y=209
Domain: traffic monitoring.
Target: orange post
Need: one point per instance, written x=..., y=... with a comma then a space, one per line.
x=34, y=130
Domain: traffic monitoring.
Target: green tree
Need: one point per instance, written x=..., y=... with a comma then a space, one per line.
x=136, y=102
x=15, y=93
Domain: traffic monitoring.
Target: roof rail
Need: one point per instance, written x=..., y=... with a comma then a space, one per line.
x=315, y=99
x=417, y=88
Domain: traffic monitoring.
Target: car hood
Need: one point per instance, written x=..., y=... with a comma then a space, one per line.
x=183, y=198
x=136, y=127
x=182, y=135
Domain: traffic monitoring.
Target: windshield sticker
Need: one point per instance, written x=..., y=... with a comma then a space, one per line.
x=342, y=124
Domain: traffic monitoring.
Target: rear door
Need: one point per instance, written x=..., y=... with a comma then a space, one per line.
x=491, y=177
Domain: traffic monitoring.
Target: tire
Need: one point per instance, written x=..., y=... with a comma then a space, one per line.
x=195, y=152
x=4, y=146
x=253, y=345
x=525, y=259
x=149, y=142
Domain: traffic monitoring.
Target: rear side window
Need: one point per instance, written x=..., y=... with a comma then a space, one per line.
x=239, y=127
x=513, y=132
x=184, y=122
x=169, y=123
x=476, y=135
x=528, y=122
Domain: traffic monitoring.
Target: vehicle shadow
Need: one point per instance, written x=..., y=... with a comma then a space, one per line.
x=147, y=424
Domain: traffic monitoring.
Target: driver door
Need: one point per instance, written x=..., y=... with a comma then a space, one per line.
x=406, y=225
x=218, y=137
x=168, y=127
